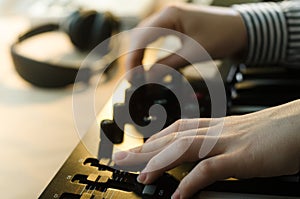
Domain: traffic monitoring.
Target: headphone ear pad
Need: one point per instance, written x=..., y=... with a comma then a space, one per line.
x=109, y=24
x=88, y=28
x=80, y=29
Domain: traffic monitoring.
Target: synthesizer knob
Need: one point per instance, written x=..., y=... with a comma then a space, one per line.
x=112, y=131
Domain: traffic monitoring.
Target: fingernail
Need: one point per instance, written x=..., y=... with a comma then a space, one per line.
x=141, y=178
x=120, y=155
x=176, y=195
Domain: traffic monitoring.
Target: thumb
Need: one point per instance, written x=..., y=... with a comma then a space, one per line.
x=189, y=53
x=174, y=60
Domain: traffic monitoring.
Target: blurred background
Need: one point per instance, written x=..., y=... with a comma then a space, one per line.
x=37, y=131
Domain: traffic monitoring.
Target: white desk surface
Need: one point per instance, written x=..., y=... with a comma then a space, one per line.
x=37, y=130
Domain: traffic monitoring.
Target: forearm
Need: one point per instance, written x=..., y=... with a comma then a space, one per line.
x=220, y=30
x=290, y=114
x=286, y=129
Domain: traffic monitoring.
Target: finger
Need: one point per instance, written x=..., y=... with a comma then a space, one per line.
x=146, y=151
x=186, y=124
x=127, y=158
x=204, y=174
x=187, y=54
x=190, y=52
x=182, y=150
x=174, y=60
x=134, y=58
x=162, y=142
x=144, y=34
x=155, y=145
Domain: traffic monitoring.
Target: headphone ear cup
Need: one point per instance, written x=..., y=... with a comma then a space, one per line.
x=105, y=25
x=79, y=29
x=88, y=28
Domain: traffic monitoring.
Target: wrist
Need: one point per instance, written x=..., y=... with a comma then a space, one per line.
x=232, y=39
x=289, y=115
x=240, y=37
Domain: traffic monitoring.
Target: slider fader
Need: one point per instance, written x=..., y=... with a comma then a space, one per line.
x=86, y=177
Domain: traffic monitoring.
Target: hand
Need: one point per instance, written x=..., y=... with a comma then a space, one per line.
x=260, y=144
x=219, y=30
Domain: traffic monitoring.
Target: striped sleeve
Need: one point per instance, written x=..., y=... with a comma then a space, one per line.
x=273, y=32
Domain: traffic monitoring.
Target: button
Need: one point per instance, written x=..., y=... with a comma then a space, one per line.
x=86, y=196
x=149, y=190
x=161, y=192
x=92, y=177
x=103, y=179
x=105, y=173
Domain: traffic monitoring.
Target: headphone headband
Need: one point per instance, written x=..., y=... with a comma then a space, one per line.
x=38, y=30
x=49, y=75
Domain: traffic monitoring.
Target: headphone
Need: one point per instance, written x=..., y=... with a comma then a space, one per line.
x=86, y=29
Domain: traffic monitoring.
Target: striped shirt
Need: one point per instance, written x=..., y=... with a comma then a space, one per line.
x=273, y=32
